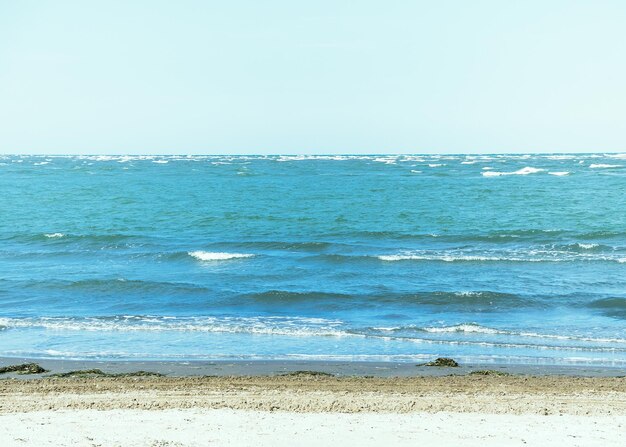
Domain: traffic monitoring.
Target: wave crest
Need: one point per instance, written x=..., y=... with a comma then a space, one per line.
x=53, y=235
x=524, y=171
x=603, y=166
x=217, y=256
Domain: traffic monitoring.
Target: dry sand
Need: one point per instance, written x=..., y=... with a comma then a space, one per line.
x=313, y=410
x=202, y=427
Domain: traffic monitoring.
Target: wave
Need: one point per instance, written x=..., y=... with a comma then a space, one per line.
x=283, y=296
x=120, y=286
x=524, y=171
x=466, y=328
x=609, y=303
x=53, y=235
x=483, y=301
x=445, y=258
x=473, y=328
x=559, y=173
x=290, y=326
x=319, y=327
x=612, y=307
x=325, y=240
x=587, y=246
x=502, y=258
x=547, y=234
x=65, y=238
x=589, y=252
x=560, y=157
x=603, y=166
x=581, y=247
x=217, y=256
x=279, y=245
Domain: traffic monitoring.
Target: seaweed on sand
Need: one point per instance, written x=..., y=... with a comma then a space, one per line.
x=444, y=362
x=83, y=373
x=488, y=372
x=307, y=373
x=24, y=368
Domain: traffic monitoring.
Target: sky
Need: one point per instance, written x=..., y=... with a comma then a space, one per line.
x=259, y=77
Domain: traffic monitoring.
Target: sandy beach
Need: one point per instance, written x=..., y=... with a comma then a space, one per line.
x=201, y=427
x=451, y=405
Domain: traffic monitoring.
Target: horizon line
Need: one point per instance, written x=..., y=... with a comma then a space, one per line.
x=295, y=154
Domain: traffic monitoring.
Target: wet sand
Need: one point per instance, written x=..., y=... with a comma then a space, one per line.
x=337, y=368
x=313, y=393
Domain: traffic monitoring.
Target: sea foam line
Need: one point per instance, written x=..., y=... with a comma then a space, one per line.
x=528, y=256
x=288, y=326
x=299, y=327
x=475, y=328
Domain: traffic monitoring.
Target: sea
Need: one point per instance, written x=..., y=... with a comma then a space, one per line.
x=514, y=259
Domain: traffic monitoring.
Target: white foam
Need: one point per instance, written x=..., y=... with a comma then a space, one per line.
x=533, y=255
x=559, y=173
x=473, y=328
x=524, y=171
x=587, y=246
x=445, y=258
x=603, y=166
x=54, y=235
x=283, y=158
x=560, y=157
x=162, y=162
x=386, y=160
x=217, y=256
x=291, y=326
x=391, y=258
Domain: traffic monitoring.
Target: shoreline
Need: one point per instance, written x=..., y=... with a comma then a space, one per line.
x=276, y=367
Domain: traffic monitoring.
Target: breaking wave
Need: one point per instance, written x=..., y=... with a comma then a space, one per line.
x=217, y=256
x=524, y=171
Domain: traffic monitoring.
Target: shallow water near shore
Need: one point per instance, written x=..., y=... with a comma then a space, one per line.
x=487, y=259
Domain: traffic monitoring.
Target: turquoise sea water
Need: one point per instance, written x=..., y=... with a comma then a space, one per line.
x=496, y=258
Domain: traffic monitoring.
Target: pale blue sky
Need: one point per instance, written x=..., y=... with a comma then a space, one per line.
x=312, y=76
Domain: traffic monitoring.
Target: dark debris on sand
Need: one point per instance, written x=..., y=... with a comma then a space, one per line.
x=488, y=372
x=307, y=373
x=442, y=362
x=83, y=373
x=24, y=368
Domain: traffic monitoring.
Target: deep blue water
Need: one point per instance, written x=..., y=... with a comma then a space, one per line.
x=483, y=258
